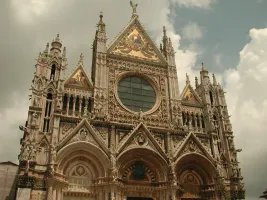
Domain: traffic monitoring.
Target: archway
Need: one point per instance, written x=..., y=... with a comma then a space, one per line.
x=142, y=168
x=81, y=163
x=195, y=173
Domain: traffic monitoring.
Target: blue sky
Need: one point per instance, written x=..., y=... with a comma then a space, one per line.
x=229, y=36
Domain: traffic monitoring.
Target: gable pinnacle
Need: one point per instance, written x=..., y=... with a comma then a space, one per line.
x=81, y=59
x=187, y=79
x=134, y=6
x=202, y=67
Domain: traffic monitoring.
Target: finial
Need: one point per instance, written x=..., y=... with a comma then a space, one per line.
x=187, y=79
x=134, y=6
x=57, y=38
x=202, y=68
x=101, y=17
x=46, y=48
x=164, y=31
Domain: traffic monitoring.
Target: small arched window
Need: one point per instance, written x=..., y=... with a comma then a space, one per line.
x=53, y=72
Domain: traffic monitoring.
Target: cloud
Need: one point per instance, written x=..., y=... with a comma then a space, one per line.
x=192, y=31
x=204, y=4
x=247, y=103
x=10, y=119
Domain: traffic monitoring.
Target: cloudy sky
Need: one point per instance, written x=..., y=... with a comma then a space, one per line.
x=229, y=36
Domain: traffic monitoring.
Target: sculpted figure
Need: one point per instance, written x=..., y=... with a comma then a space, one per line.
x=134, y=6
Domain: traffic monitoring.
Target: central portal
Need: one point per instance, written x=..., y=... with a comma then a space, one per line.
x=138, y=198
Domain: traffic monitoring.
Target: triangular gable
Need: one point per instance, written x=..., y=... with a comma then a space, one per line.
x=135, y=42
x=94, y=135
x=79, y=79
x=192, y=144
x=141, y=136
x=189, y=96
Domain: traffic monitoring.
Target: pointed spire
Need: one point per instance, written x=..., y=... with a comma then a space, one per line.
x=187, y=79
x=46, y=48
x=202, y=67
x=101, y=25
x=214, y=80
x=134, y=6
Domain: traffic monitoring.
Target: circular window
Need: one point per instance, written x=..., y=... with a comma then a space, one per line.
x=136, y=94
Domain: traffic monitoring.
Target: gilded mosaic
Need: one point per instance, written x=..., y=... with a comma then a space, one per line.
x=135, y=44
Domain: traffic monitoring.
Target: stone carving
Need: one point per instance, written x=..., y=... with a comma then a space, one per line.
x=83, y=134
x=141, y=139
x=134, y=6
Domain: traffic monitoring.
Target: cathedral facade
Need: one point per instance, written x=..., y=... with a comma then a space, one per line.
x=125, y=132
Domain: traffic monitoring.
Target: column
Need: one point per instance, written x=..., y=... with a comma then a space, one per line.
x=73, y=106
x=68, y=103
x=80, y=105
x=50, y=193
x=54, y=193
x=59, y=193
x=195, y=119
x=200, y=122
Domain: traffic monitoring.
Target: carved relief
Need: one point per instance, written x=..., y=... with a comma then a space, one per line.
x=191, y=147
x=141, y=139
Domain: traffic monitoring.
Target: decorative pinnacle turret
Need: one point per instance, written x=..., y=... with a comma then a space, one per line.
x=101, y=25
x=187, y=79
x=56, y=44
x=46, y=48
x=134, y=6
x=202, y=67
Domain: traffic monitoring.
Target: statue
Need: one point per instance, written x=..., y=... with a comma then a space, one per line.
x=140, y=114
x=34, y=118
x=134, y=6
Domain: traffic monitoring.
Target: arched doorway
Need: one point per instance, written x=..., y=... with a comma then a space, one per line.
x=142, y=171
x=81, y=163
x=194, y=173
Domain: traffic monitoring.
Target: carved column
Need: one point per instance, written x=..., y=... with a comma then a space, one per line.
x=68, y=103
x=73, y=106
x=200, y=122
x=80, y=105
x=50, y=192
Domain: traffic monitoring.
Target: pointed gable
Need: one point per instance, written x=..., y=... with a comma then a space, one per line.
x=189, y=96
x=192, y=144
x=79, y=79
x=135, y=42
x=141, y=137
x=84, y=132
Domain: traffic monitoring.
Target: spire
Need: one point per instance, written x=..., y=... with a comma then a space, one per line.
x=101, y=25
x=56, y=44
x=187, y=79
x=202, y=67
x=214, y=80
x=134, y=6
x=46, y=48
x=165, y=41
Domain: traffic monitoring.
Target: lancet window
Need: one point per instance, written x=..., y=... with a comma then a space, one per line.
x=47, y=116
x=53, y=72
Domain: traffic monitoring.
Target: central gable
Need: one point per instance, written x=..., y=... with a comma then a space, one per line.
x=135, y=42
